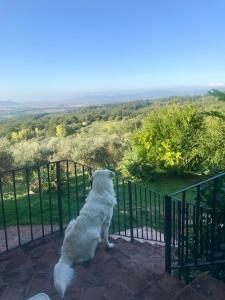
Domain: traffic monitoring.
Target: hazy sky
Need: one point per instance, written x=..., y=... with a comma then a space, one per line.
x=52, y=48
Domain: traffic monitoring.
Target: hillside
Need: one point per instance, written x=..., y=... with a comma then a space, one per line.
x=16, y=116
x=106, y=134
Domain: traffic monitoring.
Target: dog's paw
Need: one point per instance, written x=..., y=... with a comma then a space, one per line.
x=110, y=245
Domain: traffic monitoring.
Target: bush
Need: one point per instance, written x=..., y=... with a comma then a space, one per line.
x=29, y=152
x=100, y=151
x=177, y=138
x=6, y=158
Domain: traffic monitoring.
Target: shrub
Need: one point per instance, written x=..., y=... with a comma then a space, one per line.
x=6, y=158
x=177, y=138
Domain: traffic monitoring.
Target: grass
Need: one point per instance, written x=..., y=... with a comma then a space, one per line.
x=147, y=206
x=166, y=184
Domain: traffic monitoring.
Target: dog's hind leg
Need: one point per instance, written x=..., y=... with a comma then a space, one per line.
x=92, y=238
x=105, y=235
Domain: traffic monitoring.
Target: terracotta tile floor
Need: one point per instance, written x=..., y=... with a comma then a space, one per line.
x=129, y=271
x=125, y=272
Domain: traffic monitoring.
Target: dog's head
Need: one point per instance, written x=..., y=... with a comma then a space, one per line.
x=103, y=174
x=102, y=182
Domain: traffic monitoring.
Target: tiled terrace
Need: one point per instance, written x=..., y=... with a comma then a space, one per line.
x=121, y=273
x=129, y=271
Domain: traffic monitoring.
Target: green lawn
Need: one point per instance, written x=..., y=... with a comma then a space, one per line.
x=166, y=184
x=147, y=206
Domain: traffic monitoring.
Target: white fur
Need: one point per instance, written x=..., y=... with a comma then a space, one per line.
x=85, y=232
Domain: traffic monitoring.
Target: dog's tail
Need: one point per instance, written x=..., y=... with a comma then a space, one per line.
x=63, y=275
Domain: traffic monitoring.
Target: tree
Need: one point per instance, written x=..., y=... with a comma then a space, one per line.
x=29, y=152
x=61, y=130
x=99, y=151
x=173, y=138
x=6, y=158
x=23, y=134
x=218, y=94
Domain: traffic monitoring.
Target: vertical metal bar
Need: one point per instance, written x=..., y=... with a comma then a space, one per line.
x=156, y=227
x=76, y=185
x=179, y=232
x=59, y=196
x=142, y=232
x=90, y=171
x=167, y=231
x=159, y=214
x=130, y=212
x=3, y=215
x=150, y=204
x=163, y=214
x=118, y=203
x=201, y=231
x=124, y=209
x=136, y=208
x=182, y=227
x=49, y=197
x=146, y=215
x=214, y=202
x=187, y=234
x=193, y=229
x=29, y=203
x=40, y=197
x=84, y=183
x=16, y=207
x=113, y=222
x=207, y=234
x=196, y=244
x=174, y=221
x=68, y=189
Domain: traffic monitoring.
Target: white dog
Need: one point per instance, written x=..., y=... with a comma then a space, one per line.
x=85, y=232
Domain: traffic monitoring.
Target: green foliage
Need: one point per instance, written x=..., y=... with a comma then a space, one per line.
x=211, y=146
x=218, y=94
x=6, y=158
x=47, y=178
x=100, y=150
x=102, y=134
x=23, y=134
x=177, y=138
x=213, y=195
x=212, y=232
x=61, y=130
x=29, y=152
x=48, y=125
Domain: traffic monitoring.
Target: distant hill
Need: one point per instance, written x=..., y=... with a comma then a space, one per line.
x=9, y=104
x=9, y=109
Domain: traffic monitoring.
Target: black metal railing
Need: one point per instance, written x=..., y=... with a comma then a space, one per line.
x=195, y=228
x=139, y=212
x=41, y=199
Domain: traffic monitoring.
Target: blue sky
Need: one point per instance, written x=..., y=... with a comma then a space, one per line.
x=67, y=48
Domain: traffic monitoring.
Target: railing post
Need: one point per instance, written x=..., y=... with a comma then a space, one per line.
x=214, y=204
x=168, y=234
x=130, y=212
x=59, y=196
